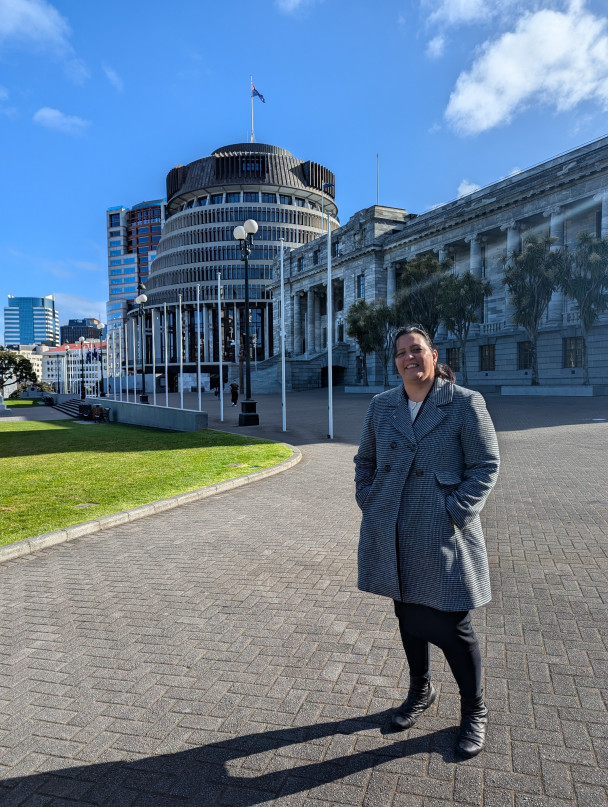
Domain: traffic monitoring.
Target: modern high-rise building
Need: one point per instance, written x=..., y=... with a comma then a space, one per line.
x=133, y=234
x=290, y=199
x=76, y=328
x=31, y=321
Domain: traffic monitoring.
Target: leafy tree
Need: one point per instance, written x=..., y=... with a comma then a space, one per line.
x=14, y=369
x=460, y=299
x=416, y=298
x=383, y=319
x=531, y=278
x=586, y=282
x=359, y=327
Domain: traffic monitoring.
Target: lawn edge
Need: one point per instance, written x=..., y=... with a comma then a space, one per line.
x=28, y=546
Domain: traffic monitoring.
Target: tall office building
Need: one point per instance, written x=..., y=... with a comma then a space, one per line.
x=31, y=321
x=76, y=328
x=133, y=234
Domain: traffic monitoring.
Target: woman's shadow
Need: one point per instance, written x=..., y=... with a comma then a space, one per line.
x=202, y=776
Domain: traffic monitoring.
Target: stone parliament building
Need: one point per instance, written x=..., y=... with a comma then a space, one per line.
x=561, y=198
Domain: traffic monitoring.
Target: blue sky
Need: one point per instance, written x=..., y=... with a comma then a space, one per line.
x=98, y=101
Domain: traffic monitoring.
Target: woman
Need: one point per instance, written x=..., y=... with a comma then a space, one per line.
x=427, y=461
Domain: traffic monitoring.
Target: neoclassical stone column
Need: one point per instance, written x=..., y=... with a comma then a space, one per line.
x=555, y=310
x=602, y=198
x=310, y=322
x=475, y=257
x=391, y=283
x=513, y=248
x=297, y=324
x=442, y=253
x=267, y=331
x=317, y=329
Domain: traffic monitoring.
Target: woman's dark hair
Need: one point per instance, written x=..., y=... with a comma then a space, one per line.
x=441, y=370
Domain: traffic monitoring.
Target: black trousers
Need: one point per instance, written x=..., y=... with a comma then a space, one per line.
x=452, y=632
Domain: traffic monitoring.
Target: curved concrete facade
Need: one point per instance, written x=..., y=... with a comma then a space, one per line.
x=288, y=197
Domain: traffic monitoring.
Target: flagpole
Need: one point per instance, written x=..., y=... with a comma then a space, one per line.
x=251, y=93
x=219, y=342
x=377, y=178
x=330, y=337
x=134, y=340
x=198, y=344
x=181, y=357
x=283, y=400
x=166, y=355
x=153, y=313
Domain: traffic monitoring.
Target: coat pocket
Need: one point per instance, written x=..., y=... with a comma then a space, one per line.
x=448, y=478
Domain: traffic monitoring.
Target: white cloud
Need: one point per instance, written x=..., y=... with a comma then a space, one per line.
x=114, y=79
x=291, y=6
x=3, y=93
x=435, y=47
x=552, y=58
x=7, y=111
x=54, y=119
x=454, y=12
x=38, y=23
x=467, y=187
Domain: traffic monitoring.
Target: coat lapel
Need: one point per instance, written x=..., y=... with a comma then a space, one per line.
x=432, y=412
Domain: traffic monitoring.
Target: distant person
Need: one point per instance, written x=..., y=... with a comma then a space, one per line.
x=427, y=461
x=234, y=392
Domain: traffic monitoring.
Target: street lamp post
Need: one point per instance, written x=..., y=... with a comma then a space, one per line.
x=83, y=394
x=102, y=393
x=244, y=234
x=141, y=300
x=66, y=388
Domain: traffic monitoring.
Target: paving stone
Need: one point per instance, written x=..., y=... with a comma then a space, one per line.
x=221, y=654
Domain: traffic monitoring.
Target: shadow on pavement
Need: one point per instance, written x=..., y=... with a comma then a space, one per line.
x=200, y=776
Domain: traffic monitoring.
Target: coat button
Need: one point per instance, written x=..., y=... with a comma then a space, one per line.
x=387, y=468
x=393, y=444
x=419, y=473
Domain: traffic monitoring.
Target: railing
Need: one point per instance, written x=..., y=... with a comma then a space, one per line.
x=491, y=327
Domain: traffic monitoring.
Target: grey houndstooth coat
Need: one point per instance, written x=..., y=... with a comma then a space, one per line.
x=421, y=488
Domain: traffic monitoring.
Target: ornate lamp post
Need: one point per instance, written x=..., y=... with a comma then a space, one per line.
x=102, y=393
x=83, y=394
x=244, y=235
x=141, y=300
x=67, y=369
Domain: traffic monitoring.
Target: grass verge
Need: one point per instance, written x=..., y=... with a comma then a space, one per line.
x=50, y=468
x=20, y=402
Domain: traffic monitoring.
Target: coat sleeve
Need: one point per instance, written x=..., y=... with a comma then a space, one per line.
x=481, y=463
x=365, y=458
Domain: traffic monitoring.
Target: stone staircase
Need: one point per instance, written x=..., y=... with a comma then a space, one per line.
x=69, y=407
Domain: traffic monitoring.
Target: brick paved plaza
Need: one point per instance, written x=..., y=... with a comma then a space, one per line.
x=220, y=653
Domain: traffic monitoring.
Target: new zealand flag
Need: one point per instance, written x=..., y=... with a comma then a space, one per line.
x=254, y=92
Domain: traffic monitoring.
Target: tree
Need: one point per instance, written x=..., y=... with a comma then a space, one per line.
x=531, y=278
x=416, y=299
x=383, y=318
x=460, y=299
x=585, y=281
x=14, y=369
x=359, y=327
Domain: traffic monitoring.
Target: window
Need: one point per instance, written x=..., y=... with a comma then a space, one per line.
x=217, y=198
x=116, y=271
x=453, y=358
x=284, y=200
x=248, y=196
x=315, y=258
x=233, y=198
x=299, y=202
x=487, y=357
x=524, y=355
x=115, y=243
x=598, y=224
x=300, y=264
x=131, y=288
x=143, y=230
x=155, y=239
x=116, y=280
x=144, y=240
x=271, y=198
x=335, y=249
x=156, y=228
x=114, y=219
x=572, y=348
x=114, y=233
x=361, y=286
x=115, y=263
x=115, y=252
x=128, y=260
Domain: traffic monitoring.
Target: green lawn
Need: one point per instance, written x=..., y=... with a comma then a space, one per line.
x=23, y=402
x=49, y=468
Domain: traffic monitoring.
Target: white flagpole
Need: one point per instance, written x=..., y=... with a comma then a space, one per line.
x=153, y=313
x=181, y=357
x=127, y=362
x=199, y=327
x=120, y=333
x=377, y=178
x=166, y=356
x=219, y=342
x=251, y=93
x=134, y=339
x=114, y=361
x=283, y=397
x=330, y=337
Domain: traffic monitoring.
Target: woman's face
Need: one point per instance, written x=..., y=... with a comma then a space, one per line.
x=414, y=359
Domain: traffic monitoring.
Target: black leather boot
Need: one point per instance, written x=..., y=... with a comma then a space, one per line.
x=422, y=693
x=473, y=727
